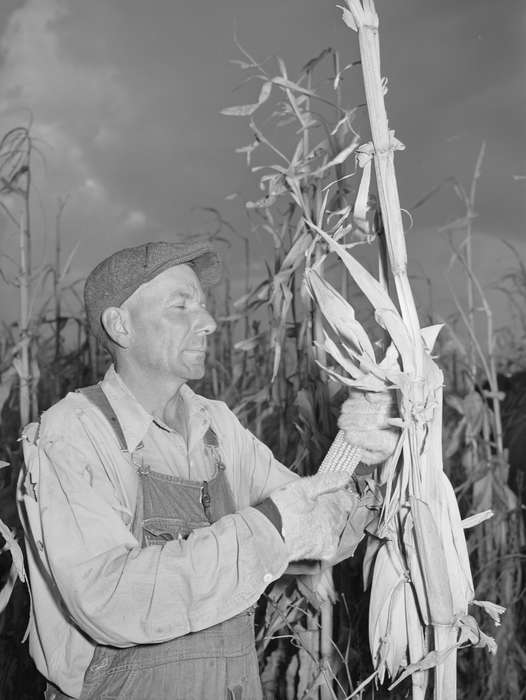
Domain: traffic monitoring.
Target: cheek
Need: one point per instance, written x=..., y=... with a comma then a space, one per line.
x=149, y=341
x=166, y=341
x=158, y=341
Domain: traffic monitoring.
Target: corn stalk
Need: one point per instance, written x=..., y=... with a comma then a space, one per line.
x=23, y=365
x=418, y=561
x=15, y=187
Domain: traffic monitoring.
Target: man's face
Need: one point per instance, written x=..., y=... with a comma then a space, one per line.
x=169, y=325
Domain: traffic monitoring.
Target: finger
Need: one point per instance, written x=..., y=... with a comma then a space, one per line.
x=363, y=421
x=347, y=500
x=373, y=439
x=383, y=403
x=325, y=483
x=370, y=397
x=339, y=504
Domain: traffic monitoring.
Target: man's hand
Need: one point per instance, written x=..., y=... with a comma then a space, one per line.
x=364, y=419
x=314, y=511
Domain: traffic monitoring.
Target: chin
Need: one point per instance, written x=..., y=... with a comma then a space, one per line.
x=193, y=373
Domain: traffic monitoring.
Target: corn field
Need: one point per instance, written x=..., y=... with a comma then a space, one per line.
x=432, y=604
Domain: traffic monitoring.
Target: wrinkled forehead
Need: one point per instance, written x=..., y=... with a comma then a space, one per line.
x=179, y=280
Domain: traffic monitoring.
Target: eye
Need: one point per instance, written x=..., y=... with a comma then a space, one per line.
x=178, y=304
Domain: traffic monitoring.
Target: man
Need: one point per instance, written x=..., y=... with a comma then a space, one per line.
x=154, y=520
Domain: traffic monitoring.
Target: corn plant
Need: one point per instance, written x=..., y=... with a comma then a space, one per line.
x=478, y=441
x=325, y=143
x=511, y=340
x=16, y=570
x=16, y=149
x=34, y=370
x=418, y=561
x=308, y=110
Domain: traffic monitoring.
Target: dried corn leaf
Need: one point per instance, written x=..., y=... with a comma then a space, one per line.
x=296, y=254
x=387, y=611
x=373, y=547
x=431, y=660
x=13, y=547
x=415, y=568
x=492, y=609
x=342, y=355
x=248, y=110
x=476, y=519
x=416, y=643
x=431, y=554
x=378, y=297
x=7, y=588
x=339, y=159
x=471, y=633
x=339, y=314
x=429, y=335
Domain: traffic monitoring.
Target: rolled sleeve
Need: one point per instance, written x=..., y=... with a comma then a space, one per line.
x=121, y=594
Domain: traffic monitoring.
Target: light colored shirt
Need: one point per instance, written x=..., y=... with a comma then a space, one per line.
x=91, y=581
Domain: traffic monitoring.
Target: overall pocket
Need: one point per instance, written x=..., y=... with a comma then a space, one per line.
x=104, y=682
x=161, y=530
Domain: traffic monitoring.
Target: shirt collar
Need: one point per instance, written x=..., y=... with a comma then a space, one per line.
x=134, y=418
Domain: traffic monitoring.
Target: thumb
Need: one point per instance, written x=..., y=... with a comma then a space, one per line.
x=325, y=483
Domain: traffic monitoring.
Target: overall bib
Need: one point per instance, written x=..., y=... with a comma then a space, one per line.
x=217, y=663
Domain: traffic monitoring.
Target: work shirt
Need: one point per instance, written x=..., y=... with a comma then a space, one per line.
x=91, y=581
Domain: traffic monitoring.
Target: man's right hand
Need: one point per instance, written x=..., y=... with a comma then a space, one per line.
x=314, y=511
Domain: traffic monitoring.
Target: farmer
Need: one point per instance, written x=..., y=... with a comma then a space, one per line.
x=154, y=520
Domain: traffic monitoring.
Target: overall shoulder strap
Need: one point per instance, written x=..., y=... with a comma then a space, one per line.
x=98, y=398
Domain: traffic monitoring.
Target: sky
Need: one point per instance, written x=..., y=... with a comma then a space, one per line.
x=126, y=98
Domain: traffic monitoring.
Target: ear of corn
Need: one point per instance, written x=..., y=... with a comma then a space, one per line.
x=341, y=456
x=421, y=579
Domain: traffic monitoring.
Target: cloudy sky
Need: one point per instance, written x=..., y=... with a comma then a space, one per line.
x=126, y=98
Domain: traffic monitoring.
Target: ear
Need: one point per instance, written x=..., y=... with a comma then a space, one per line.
x=116, y=322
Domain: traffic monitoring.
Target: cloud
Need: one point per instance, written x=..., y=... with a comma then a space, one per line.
x=38, y=73
x=78, y=104
x=126, y=97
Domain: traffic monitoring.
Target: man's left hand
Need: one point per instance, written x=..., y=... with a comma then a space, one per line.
x=365, y=420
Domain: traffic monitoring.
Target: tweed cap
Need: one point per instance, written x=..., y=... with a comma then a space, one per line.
x=116, y=278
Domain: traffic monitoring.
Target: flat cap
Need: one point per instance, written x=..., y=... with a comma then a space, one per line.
x=116, y=278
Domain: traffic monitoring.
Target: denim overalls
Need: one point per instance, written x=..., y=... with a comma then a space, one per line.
x=218, y=663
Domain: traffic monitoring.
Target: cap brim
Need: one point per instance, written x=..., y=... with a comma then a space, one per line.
x=206, y=264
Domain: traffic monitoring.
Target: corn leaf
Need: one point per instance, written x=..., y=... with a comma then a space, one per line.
x=492, y=609
x=7, y=588
x=14, y=548
x=377, y=296
x=338, y=159
x=339, y=314
x=431, y=660
x=431, y=554
x=387, y=582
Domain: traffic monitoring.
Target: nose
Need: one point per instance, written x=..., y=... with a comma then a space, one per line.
x=205, y=323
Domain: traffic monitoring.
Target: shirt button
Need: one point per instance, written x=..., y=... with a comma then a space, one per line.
x=267, y=578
